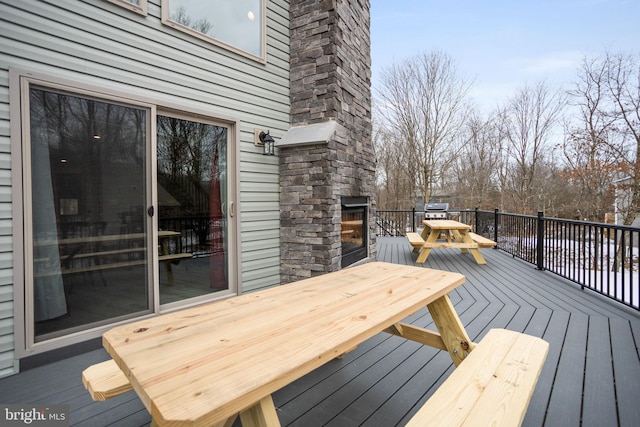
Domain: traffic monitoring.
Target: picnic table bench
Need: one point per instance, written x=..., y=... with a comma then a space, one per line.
x=482, y=241
x=321, y=318
x=493, y=386
x=416, y=240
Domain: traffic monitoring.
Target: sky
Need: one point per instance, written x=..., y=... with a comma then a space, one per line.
x=503, y=45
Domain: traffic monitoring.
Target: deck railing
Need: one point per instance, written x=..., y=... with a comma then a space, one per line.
x=601, y=257
x=199, y=235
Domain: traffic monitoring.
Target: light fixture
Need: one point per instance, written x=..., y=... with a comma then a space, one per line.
x=268, y=143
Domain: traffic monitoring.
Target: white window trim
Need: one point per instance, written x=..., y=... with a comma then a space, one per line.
x=19, y=81
x=137, y=8
x=263, y=36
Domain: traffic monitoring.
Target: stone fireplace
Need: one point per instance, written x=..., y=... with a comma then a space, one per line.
x=327, y=162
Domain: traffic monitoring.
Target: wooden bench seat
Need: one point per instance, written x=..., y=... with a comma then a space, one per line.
x=492, y=386
x=416, y=240
x=482, y=241
x=105, y=253
x=459, y=245
x=105, y=380
x=174, y=257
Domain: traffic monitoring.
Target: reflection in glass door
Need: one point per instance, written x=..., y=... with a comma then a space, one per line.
x=192, y=198
x=86, y=231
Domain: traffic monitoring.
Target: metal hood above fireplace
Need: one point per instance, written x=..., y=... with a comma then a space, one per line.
x=317, y=133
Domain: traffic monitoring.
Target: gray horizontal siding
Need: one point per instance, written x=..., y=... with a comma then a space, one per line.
x=6, y=226
x=98, y=43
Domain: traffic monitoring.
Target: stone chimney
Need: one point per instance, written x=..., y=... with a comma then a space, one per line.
x=327, y=156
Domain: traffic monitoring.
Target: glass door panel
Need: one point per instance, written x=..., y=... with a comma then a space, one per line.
x=192, y=198
x=87, y=228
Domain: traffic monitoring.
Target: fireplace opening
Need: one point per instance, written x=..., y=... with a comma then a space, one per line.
x=354, y=230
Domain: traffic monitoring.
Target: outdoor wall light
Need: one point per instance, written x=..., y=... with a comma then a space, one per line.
x=268, y=143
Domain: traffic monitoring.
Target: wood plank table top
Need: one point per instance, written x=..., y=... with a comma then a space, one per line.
x=204, y=365
x=445, y=224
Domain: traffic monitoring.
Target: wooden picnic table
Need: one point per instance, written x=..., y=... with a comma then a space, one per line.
x=446, y=233
x=163, y=235
x=204, y=365
x=92, y=254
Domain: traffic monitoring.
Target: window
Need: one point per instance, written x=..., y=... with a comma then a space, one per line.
x=238, y=25
x=138, y=6
x=125, y=210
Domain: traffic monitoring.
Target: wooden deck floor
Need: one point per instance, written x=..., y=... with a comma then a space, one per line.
x=591, y=377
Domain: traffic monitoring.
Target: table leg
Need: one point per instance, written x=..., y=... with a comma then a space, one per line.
x=425, y=232
x=167, y=266
x=448, y=234
x=450, y=327
x=424, y=252
x=475, y=251
x=262, y=414
x=459, y=239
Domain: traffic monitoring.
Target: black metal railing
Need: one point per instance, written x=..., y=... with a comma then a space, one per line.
x=199, y=235
x=601, y=257
x=394, y=223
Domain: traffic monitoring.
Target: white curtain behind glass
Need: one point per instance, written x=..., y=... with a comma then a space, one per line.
x=48, y=290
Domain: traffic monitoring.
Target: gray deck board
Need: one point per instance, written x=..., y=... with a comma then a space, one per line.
x=627, y=372
x=591, y=376
x=599, y=400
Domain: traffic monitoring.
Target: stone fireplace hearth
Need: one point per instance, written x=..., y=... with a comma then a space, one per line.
x=327, y=156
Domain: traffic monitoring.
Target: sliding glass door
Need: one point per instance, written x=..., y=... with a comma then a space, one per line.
x=192, y=201
x=87, y=232
x=125, y=210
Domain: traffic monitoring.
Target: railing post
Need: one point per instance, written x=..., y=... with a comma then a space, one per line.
x=413, y=219
x=540, y=242
x=475, y=225
x=495, y=227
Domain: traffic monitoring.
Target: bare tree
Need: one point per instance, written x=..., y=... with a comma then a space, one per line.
x=475, y=174
x=623, y=85
x=592, y=164
x=393, y=189
x=603, y=145
x=181, y=16
x=422, y=104
x=610, y=89
x=526, y=125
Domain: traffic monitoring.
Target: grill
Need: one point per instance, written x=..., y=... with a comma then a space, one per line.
x=436, y=210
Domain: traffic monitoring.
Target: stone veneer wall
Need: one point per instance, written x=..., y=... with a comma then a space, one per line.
x=330, y=80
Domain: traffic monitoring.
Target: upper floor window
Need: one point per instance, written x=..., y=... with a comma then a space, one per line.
x=238, y=25
x=139, y=6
